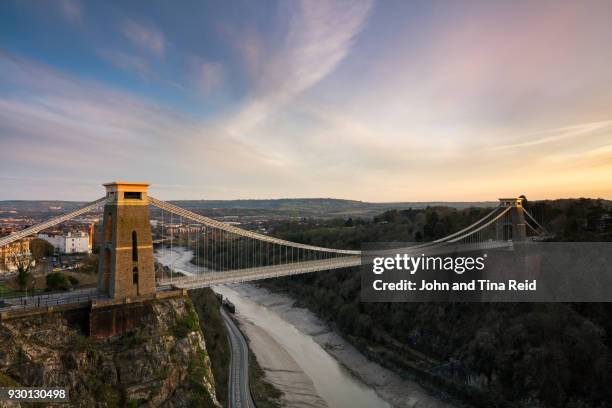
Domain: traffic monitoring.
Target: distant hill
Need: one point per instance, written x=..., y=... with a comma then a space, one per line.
x=39, y=205
x=302, y=207
x=328, y=207
x=284, y=207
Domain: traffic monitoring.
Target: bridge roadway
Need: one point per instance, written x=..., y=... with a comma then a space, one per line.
x=239, y=393
x=192, y=282
x=206, y=279
x=263, y=272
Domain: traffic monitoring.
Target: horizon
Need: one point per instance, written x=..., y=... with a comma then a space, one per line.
x=323, y=198
x=380, y=101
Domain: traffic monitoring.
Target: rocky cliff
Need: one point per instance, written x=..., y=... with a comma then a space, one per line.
x=161, y=363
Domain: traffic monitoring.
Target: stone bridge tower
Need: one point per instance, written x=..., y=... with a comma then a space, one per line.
x=512, y=228
x=126, y=267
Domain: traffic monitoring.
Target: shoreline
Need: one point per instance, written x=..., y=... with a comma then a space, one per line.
x=389, y=386
x=280, y=369
x=331, y=381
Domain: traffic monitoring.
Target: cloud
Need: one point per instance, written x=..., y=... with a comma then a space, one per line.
x=208, y=76
x=144, y=36
x=249, y=45
x=57, y=125
x=127, y=62
x=434, y=107
x=557, y=134
x=250, y=48
x=71, y=10
x=62, y=131
x=319, y=37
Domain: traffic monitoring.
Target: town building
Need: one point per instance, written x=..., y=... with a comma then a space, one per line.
x=8, y=253
x=70, y=242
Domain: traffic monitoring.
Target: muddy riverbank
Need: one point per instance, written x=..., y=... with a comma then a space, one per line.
x=391, y=390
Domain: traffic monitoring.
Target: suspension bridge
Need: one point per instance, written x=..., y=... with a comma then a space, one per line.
x=225, y=253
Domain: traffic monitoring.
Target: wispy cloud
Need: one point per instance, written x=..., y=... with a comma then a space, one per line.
x=208, y=75
x=312, y=98
x=319, y=37
x=247, y=42
x=145, y=36
x=545, y=136
x=127, y=62
x=58, y=125
x=71, y=10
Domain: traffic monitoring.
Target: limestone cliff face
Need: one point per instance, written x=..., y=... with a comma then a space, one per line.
x=162, y=363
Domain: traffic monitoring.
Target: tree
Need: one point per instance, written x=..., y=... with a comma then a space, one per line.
x=22, y=261
x=40, y=249
x=60, y=281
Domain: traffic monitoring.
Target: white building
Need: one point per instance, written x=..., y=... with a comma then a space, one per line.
x=71, y=243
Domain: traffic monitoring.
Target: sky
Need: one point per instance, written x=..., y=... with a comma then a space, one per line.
x=368, y=100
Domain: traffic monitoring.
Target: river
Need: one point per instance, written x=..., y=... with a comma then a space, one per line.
x=302, y=336
x=335, y=384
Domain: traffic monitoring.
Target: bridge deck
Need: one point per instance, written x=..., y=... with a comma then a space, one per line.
x=250, y=274
x=274, y=271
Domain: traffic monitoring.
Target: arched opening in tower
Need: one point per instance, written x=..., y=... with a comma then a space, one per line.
x=106, y=271
x=134, y=247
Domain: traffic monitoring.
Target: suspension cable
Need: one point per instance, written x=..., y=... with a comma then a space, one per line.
x=52, y=222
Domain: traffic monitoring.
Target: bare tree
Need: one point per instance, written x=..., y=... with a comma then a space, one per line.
x=40, y=249
x=23, y=261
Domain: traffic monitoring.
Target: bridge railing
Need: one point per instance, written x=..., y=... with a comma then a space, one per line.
x=50, y=300
x=258, y=273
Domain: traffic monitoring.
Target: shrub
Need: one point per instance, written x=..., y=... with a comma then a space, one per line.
x=60, y=281
x=187, y=323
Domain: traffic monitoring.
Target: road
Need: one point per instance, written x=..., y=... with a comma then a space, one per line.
x=239, y=395
x=81, y=295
